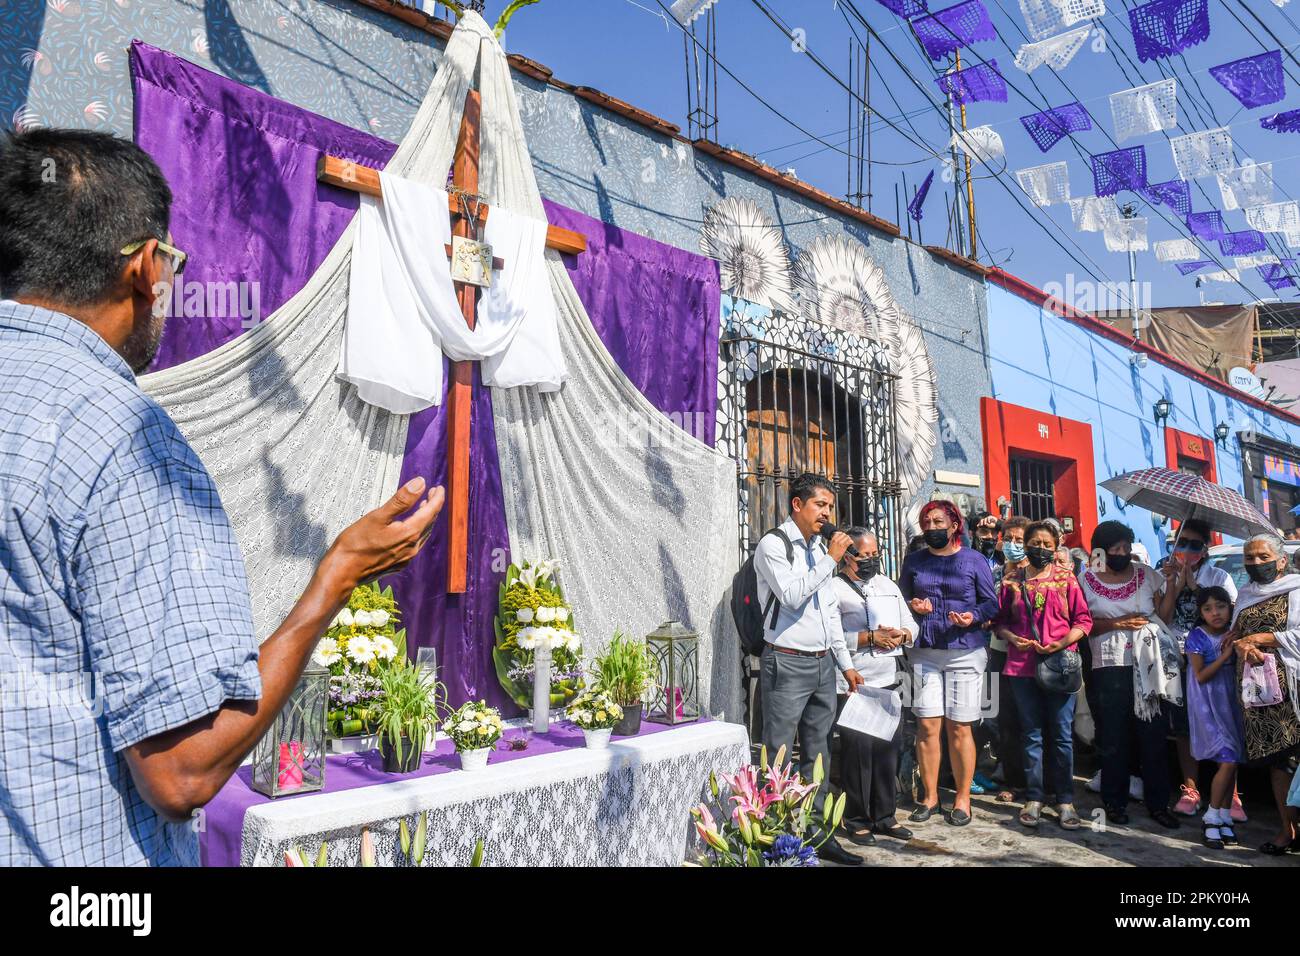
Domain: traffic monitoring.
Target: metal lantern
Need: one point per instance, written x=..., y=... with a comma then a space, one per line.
x=290, y=758
x=674, y=650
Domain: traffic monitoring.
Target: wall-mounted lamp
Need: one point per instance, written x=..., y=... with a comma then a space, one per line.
x=1221, y=433
x=1161, y=411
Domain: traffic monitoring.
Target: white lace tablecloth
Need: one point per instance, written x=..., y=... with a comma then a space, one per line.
x=625, y=806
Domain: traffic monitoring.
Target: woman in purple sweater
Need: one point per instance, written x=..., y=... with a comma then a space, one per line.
x=950, y=590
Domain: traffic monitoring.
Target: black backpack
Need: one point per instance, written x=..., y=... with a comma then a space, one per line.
x=744, y=601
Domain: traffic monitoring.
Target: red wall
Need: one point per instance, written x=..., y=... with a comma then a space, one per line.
x=1198, y=448
x=1067, y=443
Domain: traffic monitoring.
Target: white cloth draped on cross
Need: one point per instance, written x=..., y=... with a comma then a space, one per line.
x=403, y=315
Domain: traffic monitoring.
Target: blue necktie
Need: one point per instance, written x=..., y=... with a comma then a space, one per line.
x=812, y=563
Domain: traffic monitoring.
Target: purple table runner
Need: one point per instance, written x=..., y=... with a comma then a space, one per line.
x=219, y=843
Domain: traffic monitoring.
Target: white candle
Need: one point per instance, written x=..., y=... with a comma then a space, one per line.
x=541, y=690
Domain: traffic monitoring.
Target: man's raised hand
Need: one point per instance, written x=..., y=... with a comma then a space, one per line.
x=382, y=541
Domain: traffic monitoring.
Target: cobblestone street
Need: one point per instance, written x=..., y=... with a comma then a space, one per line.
x=996, y=838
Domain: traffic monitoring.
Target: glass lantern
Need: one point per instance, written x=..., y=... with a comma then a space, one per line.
x=674, y=650
x=290, y=757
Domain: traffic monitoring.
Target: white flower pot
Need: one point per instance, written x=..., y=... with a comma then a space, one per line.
x=597, y=739
x=474, y=759
x=358, y=743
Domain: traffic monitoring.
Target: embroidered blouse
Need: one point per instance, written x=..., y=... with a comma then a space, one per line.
x=1059, y=607
x=1137, y=595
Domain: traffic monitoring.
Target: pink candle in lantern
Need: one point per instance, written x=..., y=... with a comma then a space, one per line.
x=290, y=777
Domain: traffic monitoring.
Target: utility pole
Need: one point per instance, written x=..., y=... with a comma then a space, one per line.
x=970, y=186
x=1128, y=212
x=956, y=177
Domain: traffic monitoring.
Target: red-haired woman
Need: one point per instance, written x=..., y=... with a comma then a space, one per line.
x=950, y=590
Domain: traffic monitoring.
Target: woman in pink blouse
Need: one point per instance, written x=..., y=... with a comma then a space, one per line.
x=1042, y=610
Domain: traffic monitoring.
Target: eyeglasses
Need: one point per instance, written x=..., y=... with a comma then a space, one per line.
x=179, y=258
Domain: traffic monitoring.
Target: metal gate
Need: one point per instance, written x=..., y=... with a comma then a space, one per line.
x=796, y=410
x=1033, y=489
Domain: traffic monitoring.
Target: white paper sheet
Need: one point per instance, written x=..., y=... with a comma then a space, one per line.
x=874, y=711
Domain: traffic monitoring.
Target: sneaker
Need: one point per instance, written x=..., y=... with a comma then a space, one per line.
x=1189, y=804
x=1238, y=811
x=1095, y=783
x=1135, y=788
x=987, y=783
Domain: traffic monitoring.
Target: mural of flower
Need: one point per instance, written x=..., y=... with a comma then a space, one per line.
x=36, y=60
x=840, y=286
x=26, y=118
x=754, y=263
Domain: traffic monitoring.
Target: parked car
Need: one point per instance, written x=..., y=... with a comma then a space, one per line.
x=1229, y=557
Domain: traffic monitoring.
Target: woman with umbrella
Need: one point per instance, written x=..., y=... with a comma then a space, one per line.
x=1266, y=631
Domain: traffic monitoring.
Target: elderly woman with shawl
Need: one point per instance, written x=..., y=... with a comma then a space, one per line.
x=1266, y=631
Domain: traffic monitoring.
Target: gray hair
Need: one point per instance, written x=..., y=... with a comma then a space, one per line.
x=1275, y=543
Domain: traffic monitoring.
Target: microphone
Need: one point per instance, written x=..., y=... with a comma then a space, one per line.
x=828, y=531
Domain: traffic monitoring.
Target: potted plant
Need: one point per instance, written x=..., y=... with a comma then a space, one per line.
x=474, y=729
x=360, y=644
x=595, y=713
x=408, y=714
x=626, y=673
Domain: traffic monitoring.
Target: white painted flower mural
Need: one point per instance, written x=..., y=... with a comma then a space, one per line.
x=753, y=260
x=840, y=286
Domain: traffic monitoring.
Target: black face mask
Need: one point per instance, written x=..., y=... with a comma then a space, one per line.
x=868, y=568
x=1262, y=573
x=936, y=538
x=986, y=546
x=1039, y=557
x=1118, y=562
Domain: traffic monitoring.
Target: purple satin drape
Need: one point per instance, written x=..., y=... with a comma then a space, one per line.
x=247, y=208
x=657, y=308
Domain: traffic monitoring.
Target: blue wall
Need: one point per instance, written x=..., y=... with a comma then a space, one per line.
x=1041, y=361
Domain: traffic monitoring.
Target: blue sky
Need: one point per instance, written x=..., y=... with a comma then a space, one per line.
x=626, y=48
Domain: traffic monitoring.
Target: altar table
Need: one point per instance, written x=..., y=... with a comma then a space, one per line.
x=554, y=804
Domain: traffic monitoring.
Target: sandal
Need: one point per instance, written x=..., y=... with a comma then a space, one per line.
x=1068, y=816
x=1031, y=814
x=1006, y=796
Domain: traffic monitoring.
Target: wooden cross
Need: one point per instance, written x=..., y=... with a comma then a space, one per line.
x=346, y=174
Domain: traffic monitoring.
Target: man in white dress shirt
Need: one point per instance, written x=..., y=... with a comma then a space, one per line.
x=805, y=644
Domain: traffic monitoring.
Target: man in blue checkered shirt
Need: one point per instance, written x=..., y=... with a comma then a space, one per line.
x=131, y=685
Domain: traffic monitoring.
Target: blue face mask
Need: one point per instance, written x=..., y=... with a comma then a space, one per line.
x=1015, y=553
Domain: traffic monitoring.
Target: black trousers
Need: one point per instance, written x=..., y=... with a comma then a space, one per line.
x=869, y=776
x=1115, y=695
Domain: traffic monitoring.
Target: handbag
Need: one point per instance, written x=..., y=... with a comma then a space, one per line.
x=1260, y=686
x=1060, y=672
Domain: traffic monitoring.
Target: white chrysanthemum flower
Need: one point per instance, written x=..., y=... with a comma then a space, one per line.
x=327, y=652
x=752, y=258
x=361, y=650
x=384, y=647
x=842, y=287
x=573, y=643
x=524, y=615
x=526, y=638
